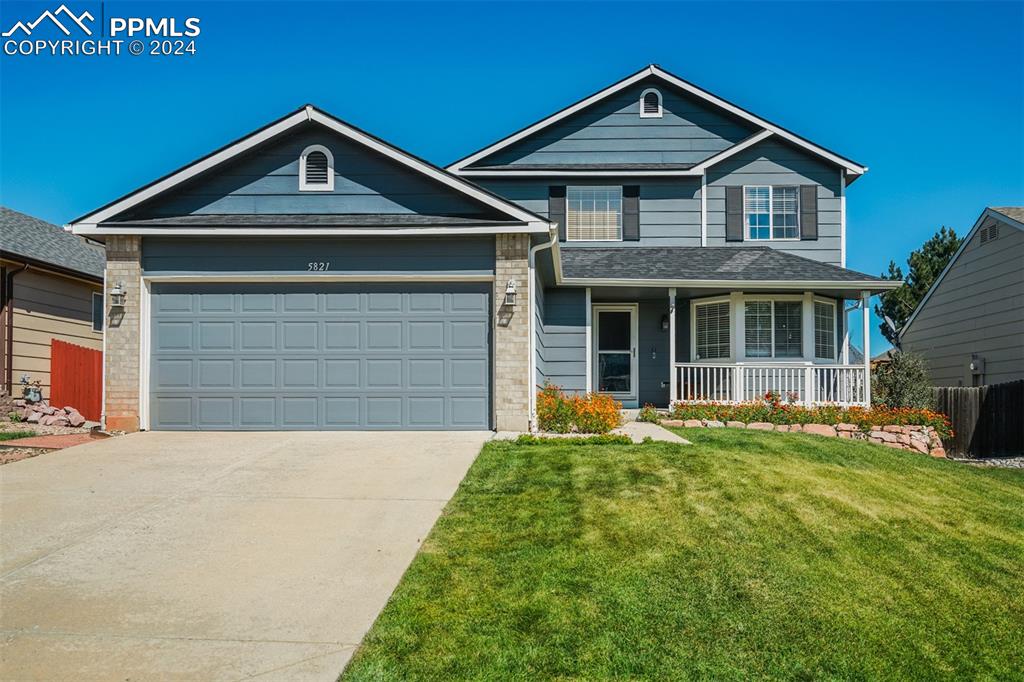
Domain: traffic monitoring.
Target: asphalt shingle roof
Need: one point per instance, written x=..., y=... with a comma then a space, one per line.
x=23, y=235
x=1014, y=212
x=701, y=263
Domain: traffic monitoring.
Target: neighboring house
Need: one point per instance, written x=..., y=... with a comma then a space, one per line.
x=652, y=241
x=52, y=285
x=969, y=327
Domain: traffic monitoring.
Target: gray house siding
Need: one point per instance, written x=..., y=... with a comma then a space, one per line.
x=612, y=131
x=775, y=163
x=468, y=255
x=562, y=339
x=268, y=183
x=977, y=308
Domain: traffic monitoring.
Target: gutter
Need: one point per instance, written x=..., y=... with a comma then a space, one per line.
x=9, y=327
x=531, y=270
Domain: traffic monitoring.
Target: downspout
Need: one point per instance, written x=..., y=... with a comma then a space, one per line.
x=9, y=327
x=531, y=273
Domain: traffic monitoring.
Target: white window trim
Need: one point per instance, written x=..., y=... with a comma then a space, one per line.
x=92, y=312
x=835, y=329
x=634, y=340
x=789, y=298
x=569, y=189
x=696, y=303
x=771, y=214
x=308, y=187
x=661, y=108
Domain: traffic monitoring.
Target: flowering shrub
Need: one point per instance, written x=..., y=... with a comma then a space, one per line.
x=591, y=413
x=774, y=411
x=649, y=413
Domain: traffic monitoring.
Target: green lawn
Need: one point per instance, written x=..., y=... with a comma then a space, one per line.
x=13, y=435
x=747, y=555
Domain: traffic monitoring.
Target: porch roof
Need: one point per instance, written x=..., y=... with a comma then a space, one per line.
x=748, y=267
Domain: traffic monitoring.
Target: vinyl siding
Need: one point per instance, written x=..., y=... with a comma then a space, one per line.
x=611, y=131
x=47, y=307
x=562, y=341
x=468, y=255
x=977, y=308
x=267, y=182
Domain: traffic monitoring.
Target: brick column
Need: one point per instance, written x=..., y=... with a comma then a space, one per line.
x=121, y=359
x=512, y=384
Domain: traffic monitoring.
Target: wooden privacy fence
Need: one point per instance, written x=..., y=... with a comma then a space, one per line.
x=988, y=421
x=76, y=378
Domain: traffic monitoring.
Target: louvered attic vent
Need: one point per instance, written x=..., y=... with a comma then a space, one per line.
x=316, y=168
x=650, y=104
x=989, y=233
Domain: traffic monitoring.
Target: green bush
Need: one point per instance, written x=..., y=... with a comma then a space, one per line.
x=590, y=413
x=649, y=413
x=902, y=382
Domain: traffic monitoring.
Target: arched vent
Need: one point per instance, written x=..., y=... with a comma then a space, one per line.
x=316, y=169
x=650, y=104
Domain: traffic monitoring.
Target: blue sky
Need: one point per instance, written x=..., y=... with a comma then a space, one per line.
x=929, y=95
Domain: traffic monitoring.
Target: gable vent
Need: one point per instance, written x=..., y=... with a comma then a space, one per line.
x=316, y=168
x=650, y=104
x=987, y=234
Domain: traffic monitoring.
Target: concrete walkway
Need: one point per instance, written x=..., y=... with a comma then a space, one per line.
x=213, y=556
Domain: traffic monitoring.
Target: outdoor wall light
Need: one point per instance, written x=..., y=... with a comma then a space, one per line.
x=510, y=293
x=664, y=323
x=117, y=295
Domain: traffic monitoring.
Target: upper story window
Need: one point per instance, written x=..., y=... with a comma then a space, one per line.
x=650, y=104
x=316, y=169
x=593, y=213
x=711, y=321
x=771, y=212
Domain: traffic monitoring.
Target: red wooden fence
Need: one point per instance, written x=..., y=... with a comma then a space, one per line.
x=76, y=378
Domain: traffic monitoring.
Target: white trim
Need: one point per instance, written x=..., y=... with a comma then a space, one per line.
x=589, y=343
x=553, y=173
x=694, y=304
x=87, y=230
x=835, y=328
x=323, y=277
x=103, y=315
x=304, y=185
x=771, y=214
x=145, y=355
x=661, y=108
x=773, y=298
x=704, y=208
x=730, y=284
x=532, y=327
x=657, y=72
x=672, y=383
x=987, y=213
x=103, y=360
x=865, y=297
x=307, y=113
x=634, y=338
x=842, y=217
x=570, y=188
x=735, y=149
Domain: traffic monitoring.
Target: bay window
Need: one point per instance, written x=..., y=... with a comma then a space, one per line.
x=771, y=212
x=593, y=213
x=712, y=330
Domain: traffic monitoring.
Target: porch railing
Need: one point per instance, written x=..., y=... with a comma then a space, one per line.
x=802, y=384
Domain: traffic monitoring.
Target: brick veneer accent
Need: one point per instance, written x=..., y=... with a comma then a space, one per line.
x=121, y=359
x=512, y=334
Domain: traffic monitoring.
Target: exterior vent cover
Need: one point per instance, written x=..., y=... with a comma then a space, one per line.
x=316, y=168
x=651, y=103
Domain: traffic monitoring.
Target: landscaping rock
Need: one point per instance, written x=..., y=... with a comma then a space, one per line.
x=883, y=437
x=937, y=452
x=893, y=428
x=796, y=427
x=736, y=425
x=672, y=422
x=75, y=419
x=33, y=418
x=712, y=424
x=19, y=402
x=693, y=423
x=782, y=428
x=919, y=446
x=761, y=426
x=847, y=427
x=820, y=429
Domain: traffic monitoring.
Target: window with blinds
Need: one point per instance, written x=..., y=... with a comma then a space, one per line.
x=758, y=329
x=824, y=330
x=788, y=318
x=593, y=213
x=772, y=329
x=771, y=212
x=712, y=323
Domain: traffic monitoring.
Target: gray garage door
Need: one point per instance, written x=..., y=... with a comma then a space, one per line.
x=325, y=356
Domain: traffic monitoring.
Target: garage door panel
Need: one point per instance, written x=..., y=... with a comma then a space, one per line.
x=333, y=356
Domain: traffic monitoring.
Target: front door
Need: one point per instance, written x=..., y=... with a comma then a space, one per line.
x=615, y=362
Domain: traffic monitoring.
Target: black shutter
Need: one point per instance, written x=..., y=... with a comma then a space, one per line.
x=556, y=209
x=733, y=214
x=808, y=211
x=631, y=213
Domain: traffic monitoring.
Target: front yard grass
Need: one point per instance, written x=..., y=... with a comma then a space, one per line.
x=746, y=555
x=14, y=435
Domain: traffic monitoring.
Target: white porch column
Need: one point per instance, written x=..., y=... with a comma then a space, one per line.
x=846, y=332
x=736, y=324
x=589, y=343
x=865, y=297
x=671, y=346
x=807, y=326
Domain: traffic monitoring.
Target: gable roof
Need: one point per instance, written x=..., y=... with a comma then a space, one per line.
x=1012, y=216
x=38, y=240
x=463, y=165
x=91, y=223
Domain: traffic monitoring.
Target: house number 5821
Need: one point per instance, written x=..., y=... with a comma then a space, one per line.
x=318, y=267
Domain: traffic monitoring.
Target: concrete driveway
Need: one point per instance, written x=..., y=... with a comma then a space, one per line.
x=213, y=556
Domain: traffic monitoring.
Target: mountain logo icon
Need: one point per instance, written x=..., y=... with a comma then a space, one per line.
x=69, y=16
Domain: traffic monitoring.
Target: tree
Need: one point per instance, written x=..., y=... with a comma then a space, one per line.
x=901, y=382
x=925, y=266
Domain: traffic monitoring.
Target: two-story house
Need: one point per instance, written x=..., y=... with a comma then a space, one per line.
x=651, y=241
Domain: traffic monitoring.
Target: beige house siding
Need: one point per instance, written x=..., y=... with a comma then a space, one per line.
x=48, y=306
x=977, y=308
